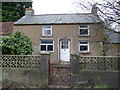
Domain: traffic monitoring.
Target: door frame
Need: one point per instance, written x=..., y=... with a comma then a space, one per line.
x=59, y=39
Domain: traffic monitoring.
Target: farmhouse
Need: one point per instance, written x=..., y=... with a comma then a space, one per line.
x=63, y=34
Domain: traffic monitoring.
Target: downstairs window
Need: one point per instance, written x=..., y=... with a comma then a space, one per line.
x=83, y=46
x=46, y=45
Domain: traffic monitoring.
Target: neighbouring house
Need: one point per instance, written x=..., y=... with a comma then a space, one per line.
x=113, y=42
x=63, y=34
x=6, y=28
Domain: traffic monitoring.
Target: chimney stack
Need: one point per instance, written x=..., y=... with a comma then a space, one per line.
x=94, y=10
x=29, y=11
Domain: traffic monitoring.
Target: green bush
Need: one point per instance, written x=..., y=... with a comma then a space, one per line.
x=16, y=44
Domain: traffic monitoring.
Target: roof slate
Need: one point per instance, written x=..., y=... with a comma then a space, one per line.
x=59, y=19
x=115, y=38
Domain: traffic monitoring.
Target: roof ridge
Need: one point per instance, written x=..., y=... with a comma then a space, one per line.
x=62, y=14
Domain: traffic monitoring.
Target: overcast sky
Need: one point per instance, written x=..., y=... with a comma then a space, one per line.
x=58, y=6
x=55, y=6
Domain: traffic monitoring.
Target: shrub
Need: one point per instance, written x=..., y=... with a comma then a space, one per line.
x=16, y=44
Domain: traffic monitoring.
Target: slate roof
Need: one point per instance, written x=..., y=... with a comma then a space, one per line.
x=114, y=38
x=59, y=19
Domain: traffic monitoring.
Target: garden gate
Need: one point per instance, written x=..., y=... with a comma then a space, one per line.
x=59, y=75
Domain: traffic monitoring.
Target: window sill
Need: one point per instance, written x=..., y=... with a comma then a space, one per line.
x=84, y=52
x=84, y=35
x=47, y=36
x=46, y=52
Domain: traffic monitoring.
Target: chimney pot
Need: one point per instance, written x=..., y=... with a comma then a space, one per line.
x=94, y=9
x=29, y=11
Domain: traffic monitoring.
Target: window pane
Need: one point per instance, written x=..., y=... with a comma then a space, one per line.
x=47, y=32
x=43, y=47
x=83, y=26
x=83, y=48
x=47, y=27
x=64, y=45
x=83, y=31
x=46, y=41
x=50, y=47
x=83, y=42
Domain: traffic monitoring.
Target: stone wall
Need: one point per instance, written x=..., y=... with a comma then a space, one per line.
x=94, y=71
x=113, y=50
x=96, y=78
x=15, y=75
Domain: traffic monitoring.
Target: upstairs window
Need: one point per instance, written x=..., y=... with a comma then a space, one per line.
x=83, y=30
x=46, y=45
x=47, y=31
x=83, y=46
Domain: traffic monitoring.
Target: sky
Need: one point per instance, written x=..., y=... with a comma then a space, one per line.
x=59, y=6
x=55, y=7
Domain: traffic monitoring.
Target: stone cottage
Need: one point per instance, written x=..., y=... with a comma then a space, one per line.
x=63, y=34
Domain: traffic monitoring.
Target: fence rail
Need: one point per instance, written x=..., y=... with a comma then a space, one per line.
x=97, y=62
x=20, y=61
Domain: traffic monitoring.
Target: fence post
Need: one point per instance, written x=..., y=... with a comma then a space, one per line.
x=74, y=69
x=44, y=65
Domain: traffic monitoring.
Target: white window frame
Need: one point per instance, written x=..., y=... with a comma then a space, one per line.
x=46, y=46
x=83, y=28
x=43, y=30
x=88, y=45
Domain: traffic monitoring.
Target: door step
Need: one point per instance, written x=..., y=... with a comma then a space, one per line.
x=59, y=66
x=65, y=63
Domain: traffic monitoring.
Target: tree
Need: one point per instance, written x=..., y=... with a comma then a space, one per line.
x=12, y=11
x=16, y=44
x=109, y=10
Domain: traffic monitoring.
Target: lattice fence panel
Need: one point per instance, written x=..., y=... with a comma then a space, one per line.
x=99, y=63
x=19, y=61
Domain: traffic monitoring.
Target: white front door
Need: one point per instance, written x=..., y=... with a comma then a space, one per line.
x=65, y=50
